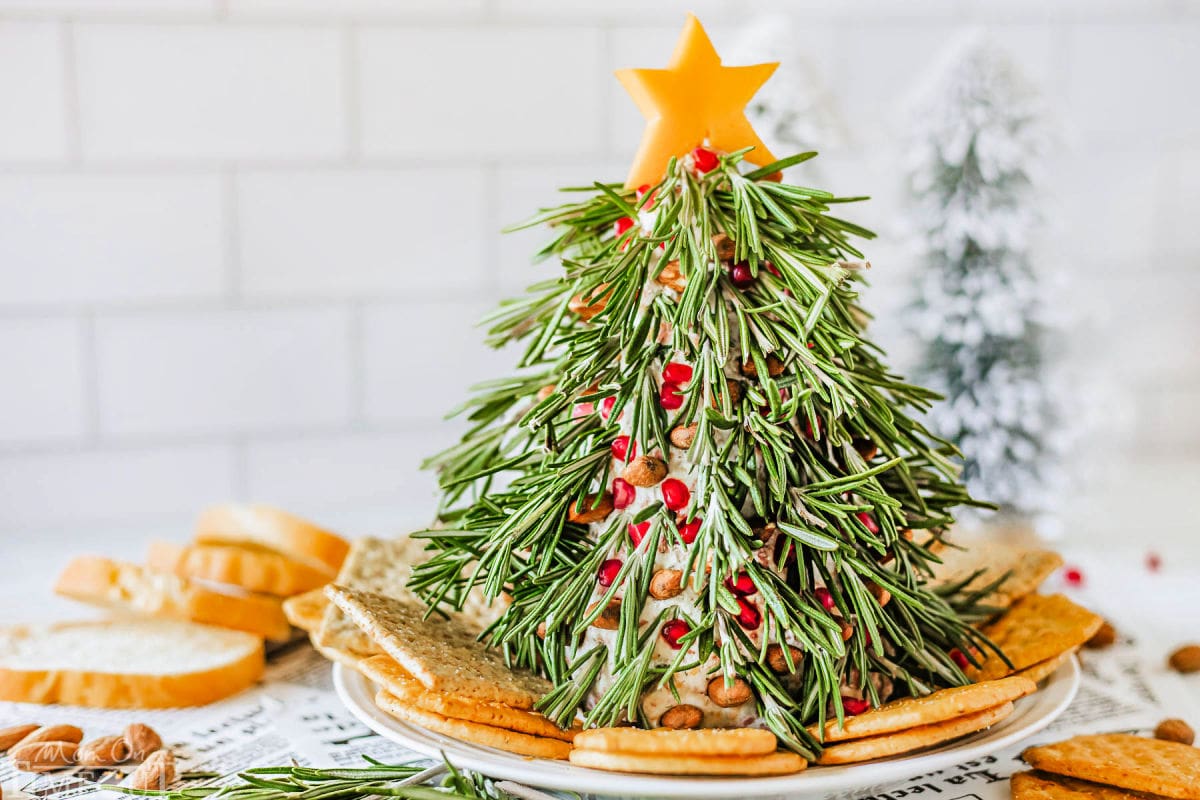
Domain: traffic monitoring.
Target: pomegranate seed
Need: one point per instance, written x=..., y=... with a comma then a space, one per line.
x=824, y=597
x=705, y=160
x=637, y=532
x=622, y=449
x=623, y=493
x=741, y=276
x=958, y=657
x=1073, y=576
x=608, y=572
x=771, y=268
x=583, y=410
x=749, y=617
x=675, y=494
x=606, y=406
x=624, y=224
x=1153, y=562
x=669, y=397
x=677, y=373
x=853, y=707
x=810, y=430
x=741, y=585
x=688, y=530
x=811, y=345
x=868, y=521
x=641, y=190
x=674, y=630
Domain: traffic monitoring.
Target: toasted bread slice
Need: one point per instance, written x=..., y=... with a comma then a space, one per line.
x=255, y=570
x=126, y=663
x=131, y=588
x=263, y=526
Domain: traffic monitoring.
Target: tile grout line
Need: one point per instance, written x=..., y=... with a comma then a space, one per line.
x=357, y=338
x=72, y=115
x=91, y=377
x=232, y=239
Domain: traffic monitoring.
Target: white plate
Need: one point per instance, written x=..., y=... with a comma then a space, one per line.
x=1031, y=715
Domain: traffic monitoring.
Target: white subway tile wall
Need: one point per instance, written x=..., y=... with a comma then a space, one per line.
x=244, y=243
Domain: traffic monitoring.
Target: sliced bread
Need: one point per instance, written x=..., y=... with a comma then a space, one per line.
x=252, y=569
x=263, y=526
x=126, y=663
x=131, y=588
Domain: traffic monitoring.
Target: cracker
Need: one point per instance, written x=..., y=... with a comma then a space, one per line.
x=781, y=762
x=1027, y=569
x=668, y=741
x=375, y=565
x=892, y=744
x=406, y=689
x=305, y=610
x=1132, y=762
x=1044, y=786
x=913, y=712
x=511, y=741
x=1038, y=628
x=443, y=654
x=1044, y=669
x=338, y=656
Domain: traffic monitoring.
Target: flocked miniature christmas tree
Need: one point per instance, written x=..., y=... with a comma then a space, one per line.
x=976, y=142
x=703, y=498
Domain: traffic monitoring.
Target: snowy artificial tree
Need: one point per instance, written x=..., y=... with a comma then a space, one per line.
x=975, y=147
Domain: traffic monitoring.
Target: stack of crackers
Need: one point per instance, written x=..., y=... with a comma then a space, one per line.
x=1113, y=766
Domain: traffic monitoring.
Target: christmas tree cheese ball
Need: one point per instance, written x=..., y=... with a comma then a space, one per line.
x=705, y=499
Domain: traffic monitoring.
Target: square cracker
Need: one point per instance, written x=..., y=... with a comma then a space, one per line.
x=1037, y=628
x=305, y=611
x=1027, y=569
x=906, y=741
x=1138, y=763
x=443, y=654
x=1044, y=786
x=382, y=566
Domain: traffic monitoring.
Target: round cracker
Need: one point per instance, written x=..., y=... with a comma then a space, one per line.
x=892, y=744
x=520, y=743
x=402, y=686
x=1044, y=669
x=780, y=762
x=942, y=705
x=699, y=742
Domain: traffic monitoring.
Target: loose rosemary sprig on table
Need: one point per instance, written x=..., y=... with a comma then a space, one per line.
x=814, y=439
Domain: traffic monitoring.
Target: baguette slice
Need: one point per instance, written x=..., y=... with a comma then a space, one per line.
x=263, y=526
x=260, y=571
x=126, y=663
x=131, y=588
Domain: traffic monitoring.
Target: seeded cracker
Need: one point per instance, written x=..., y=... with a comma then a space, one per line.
x=407, y=690
x=1036, y=629
x=306, y=610
x=1169, y=769
x=665, y=741
x=511, y=741
x=1027, y=569
x=442, y=654
x=1044, y=786
x=943, y=705
x=1044, y=669
x=777, y=763
x=906, y=741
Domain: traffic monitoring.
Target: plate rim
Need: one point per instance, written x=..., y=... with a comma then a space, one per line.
x=1057, y=694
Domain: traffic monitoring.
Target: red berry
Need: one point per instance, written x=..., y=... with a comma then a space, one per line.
x=677, y=373
x=641, y=190
x=637, y=532
x=669, y=397
x=824, y=597
x=1153, y=562
x=741, y=276
x=705, y=160
x=810, y=430
x=675, y=494
x=854, y=707
x=621, y=448
x=608, y=572
x=868, y=521
x=741, y=585
x=688, y=530
x=583, y=410
x=623, y=493
x=606, y=406
x=1073, y=576
x=958, y=657
x=624, y=224
x=674, y=630
x=771, y=268
x=749, y=617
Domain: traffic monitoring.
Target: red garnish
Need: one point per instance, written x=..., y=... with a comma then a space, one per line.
x=622, y=450
x=669, y=397
x=608, y=571
x=674, y=630
x=624, y=224
x=854, y=707
x=1073, y=576
x=637, y=532
x=1153, y=561
x=623, y=493
x=960, y=658
x=741, y=585
x=868, y=521
x=583, y=410
x=741, y=276
x=677, y=373
x=705, y=160
x=606, y=406
x=824, y=597
x=675, y=494
x=688, y=530
x=749, y=617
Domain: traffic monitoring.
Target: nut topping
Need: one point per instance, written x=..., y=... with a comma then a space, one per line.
x=645, y=471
